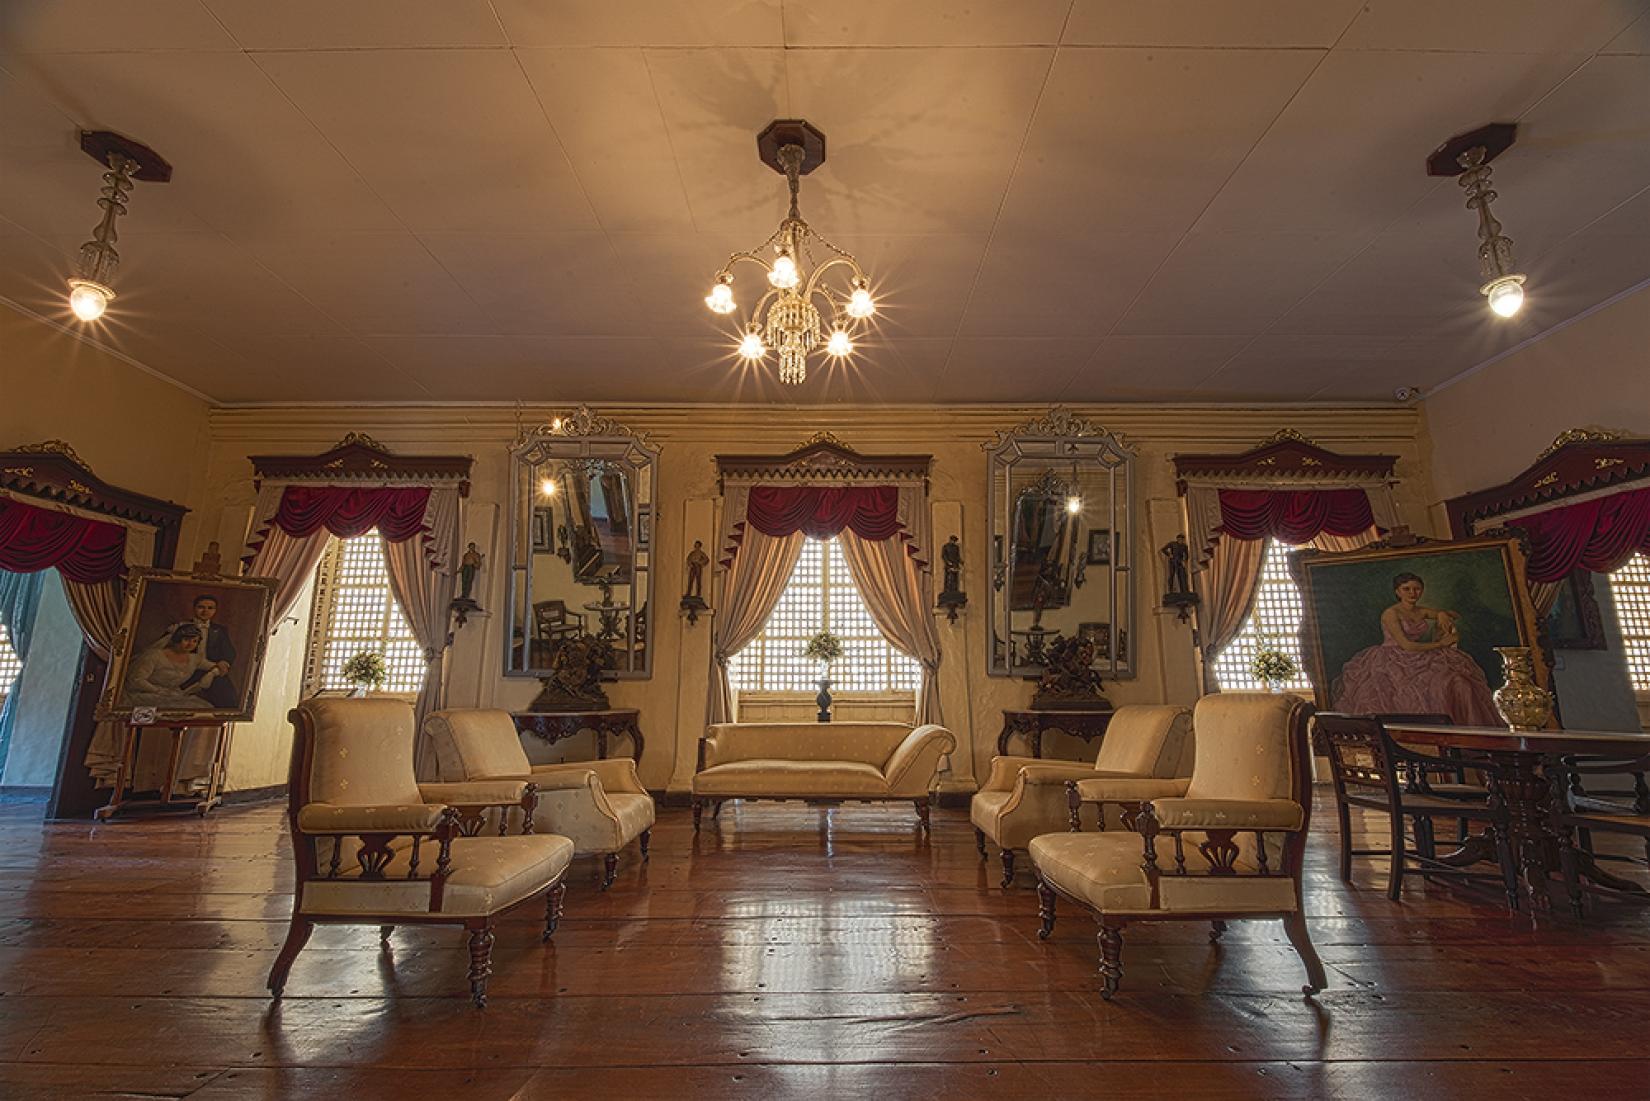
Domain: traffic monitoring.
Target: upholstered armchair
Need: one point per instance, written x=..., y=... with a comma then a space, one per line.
x=1228, y=845
x=601, y=805
x=1026, y=796
x=372, y=846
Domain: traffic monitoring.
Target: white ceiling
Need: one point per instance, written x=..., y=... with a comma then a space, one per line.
x=454, y=200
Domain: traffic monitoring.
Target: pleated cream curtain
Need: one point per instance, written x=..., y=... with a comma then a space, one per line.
x=751, y=586
x=899, y=594
x=422, y=574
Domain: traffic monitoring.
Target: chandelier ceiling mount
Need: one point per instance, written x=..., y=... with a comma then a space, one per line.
x=1467, y=157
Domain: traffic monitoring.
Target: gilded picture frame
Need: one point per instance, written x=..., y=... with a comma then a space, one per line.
x=165, y=668
x=1470, y=590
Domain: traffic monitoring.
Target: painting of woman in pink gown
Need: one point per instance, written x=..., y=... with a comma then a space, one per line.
x=1418, y=667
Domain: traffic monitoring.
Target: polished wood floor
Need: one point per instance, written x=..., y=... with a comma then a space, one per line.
x=790, y=951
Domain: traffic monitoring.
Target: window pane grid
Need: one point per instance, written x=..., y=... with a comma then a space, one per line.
x=1275, y=624
x=1630, y=587
x=821, y=596
x=10, y=664
x=355, y=611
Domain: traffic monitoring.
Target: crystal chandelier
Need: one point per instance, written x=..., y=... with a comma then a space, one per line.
x=126, y=160
x=798, y=299
x=1468, y=156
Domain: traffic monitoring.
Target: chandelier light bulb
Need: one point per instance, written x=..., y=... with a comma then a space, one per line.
x=859, y=303
x=784, y=274
x=88, y=300
x=720, y=299
x=548, y=487
x=751, y=346
x=1506, y=296
x=839, y=344
x=1074, y=504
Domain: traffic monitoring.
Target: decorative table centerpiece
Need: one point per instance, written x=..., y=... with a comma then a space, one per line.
x=823, y=648
x=1273, y=668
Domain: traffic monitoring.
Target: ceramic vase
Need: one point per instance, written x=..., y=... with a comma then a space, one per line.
x=1522, y=703
x=359, y=692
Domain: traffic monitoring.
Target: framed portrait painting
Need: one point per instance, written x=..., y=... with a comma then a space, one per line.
x=190, y=648
x=1413, y=629
x=1099, y=550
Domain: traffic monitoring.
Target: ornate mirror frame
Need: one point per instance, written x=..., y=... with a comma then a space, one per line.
x=1062, y=437
x=582, y=436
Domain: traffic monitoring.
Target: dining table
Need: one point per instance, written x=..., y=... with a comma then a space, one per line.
x=1524, y=770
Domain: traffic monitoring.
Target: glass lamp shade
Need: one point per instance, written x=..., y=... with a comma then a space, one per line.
x=839, y=344
x=860, y=304
x=750, y=347
x=1074, y=505
x=720, y=299
x=784, y=274
x=1506, y=296
x=87, y=299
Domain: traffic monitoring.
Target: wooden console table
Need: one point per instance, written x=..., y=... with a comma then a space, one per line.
x=554, y=726
x=1030, y=724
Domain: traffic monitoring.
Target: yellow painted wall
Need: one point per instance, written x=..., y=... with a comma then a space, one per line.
x=134, y=430
x=672, y=701
x=1491, y=424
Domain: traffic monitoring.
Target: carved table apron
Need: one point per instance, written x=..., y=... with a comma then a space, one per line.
x=554, y=726
x=1031, y=722
x=1518, y=775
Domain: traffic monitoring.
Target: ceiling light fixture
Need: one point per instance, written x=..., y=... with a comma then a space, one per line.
x=89, y=291
x=1467, y=157
x=793, y=322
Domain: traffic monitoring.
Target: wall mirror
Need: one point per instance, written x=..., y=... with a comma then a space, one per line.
x=1061, y=511
x=581, y=532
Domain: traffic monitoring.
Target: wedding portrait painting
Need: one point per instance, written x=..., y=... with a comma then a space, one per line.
x=189, y=647
x=1413, y=630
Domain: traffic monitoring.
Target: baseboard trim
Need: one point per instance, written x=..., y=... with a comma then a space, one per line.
x=265, y=794
x=25, y=791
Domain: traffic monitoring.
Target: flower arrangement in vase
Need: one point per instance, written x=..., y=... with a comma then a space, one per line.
x=1273, y=667
x=366, y=670
x=824, y=648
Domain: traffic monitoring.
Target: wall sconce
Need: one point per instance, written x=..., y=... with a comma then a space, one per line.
x=89, y=291
x=1467, y=156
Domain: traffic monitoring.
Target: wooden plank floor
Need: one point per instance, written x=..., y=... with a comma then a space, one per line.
x=789, y=951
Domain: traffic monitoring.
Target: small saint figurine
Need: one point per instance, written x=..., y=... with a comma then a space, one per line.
x=469, y=564
x=1178, y=555
x=951, y=555
x=697, y=560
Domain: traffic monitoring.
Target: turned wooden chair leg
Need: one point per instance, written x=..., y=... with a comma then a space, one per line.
x=1294, y=926
x=1509, y=865
x=644, y=839
x=481, y=960
x=1045, y=909
x=698, y=812
x=1217, y=929
x=1395, y=884
x=1111, y=958
x=297, y=935
x=1008, y=867
x=610, y=868
x=922, y=815
x=979, y=841
x=716, y=811
x=552, y=908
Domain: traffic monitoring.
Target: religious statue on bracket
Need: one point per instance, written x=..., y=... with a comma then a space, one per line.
x=693, y=599
x=469, y=565
x=951, y=596
x=1178, y=592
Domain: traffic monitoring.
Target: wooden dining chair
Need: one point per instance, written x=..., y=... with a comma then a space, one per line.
x=1598, y=811
x=1368, y=770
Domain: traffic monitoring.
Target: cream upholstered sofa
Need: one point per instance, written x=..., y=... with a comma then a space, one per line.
x=601, y=805
x=1227, y=844
x=1026, y=796
x=372, y=846
x=819, y=762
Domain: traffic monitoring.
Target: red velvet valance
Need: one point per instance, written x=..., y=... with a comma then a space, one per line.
x=870, y=512
x=346, y=511
x=82, y=549
x=1599, y=535
x=1294, y=516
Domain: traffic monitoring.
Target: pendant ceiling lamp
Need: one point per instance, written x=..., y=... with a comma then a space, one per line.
x=802, y=308
x=91, y=290
x=1467, y=157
